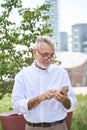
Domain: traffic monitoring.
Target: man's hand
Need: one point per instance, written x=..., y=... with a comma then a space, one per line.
x=62, y=97
x=48, y=94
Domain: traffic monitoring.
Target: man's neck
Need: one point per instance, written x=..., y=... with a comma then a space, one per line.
x=40, y=67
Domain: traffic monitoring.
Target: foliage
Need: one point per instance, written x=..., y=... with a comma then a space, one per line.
x=79, y=120
x=22, y=36
x=5, y=103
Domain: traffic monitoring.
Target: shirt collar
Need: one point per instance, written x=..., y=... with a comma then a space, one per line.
x=49, y=69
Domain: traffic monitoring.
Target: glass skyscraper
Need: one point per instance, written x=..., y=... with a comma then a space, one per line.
x=79, y=37
x=54, y=20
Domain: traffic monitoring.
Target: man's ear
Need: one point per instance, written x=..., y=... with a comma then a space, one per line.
x=34, y=52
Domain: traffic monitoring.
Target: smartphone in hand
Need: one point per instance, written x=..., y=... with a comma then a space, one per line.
x=64, y=89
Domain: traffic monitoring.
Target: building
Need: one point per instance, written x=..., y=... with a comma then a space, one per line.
x=79, y=38
x=63, y=41
x=54, y=20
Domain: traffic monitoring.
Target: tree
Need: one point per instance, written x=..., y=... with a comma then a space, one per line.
x=34, y=23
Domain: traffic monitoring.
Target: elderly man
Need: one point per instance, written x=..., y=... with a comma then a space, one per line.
x=38, y=93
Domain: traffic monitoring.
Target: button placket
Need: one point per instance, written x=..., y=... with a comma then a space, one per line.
x=41, y=91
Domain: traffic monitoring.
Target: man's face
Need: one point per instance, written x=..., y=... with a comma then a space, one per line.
x=44, y=55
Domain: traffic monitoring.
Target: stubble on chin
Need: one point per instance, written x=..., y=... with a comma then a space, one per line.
x=40, y=65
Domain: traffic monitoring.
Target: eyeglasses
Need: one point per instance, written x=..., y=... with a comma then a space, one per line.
x=46, y=55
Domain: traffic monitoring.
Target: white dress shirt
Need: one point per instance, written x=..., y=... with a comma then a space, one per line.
x=31, y=82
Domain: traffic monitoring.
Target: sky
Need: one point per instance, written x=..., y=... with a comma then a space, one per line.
x=71, y=12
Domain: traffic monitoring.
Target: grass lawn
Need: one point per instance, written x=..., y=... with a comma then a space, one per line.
x=5, y=104
x=79, y=120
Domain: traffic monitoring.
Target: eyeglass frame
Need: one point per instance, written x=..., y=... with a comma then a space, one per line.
x=45, y=55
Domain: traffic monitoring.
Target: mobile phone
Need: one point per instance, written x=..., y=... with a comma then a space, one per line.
x=65, y=88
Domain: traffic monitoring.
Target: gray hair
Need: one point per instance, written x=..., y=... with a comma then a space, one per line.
x=45, y=39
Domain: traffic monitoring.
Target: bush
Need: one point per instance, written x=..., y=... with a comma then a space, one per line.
x=5, y=103
x=6, y=87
